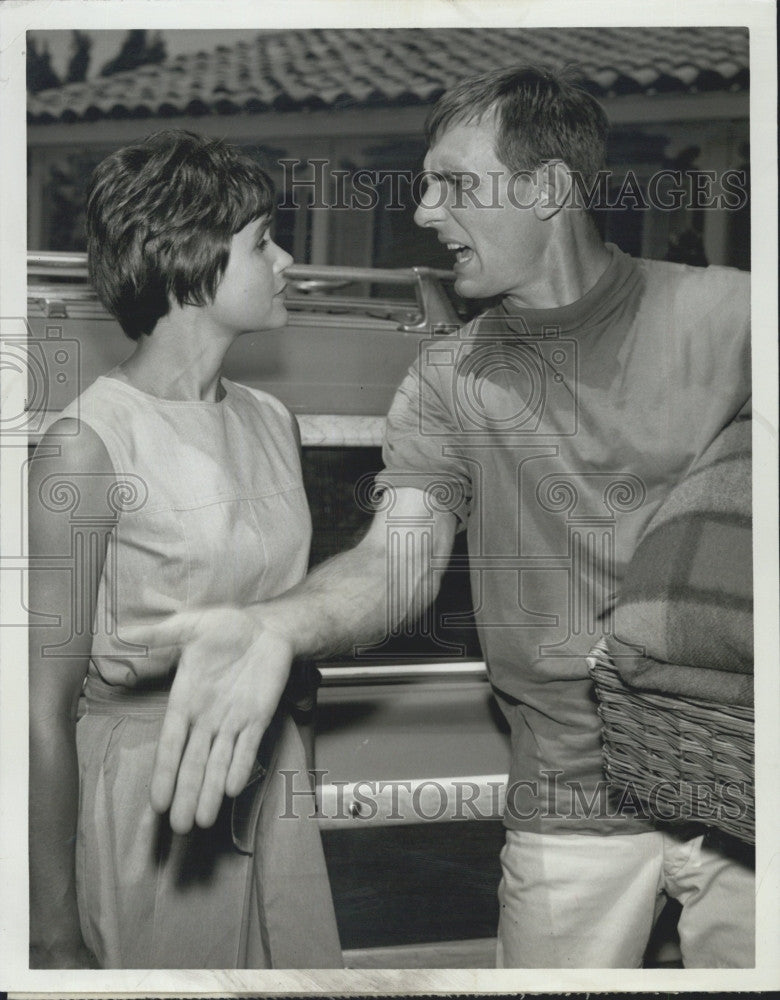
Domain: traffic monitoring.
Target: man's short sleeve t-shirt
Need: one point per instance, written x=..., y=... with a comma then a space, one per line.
x=554, y=435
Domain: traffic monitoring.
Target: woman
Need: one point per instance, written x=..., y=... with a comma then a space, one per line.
x=166, y=487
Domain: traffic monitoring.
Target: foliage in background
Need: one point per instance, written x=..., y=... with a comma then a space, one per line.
x=78, y=64
x=64, y=199
x=40, y=75
x=136, y=51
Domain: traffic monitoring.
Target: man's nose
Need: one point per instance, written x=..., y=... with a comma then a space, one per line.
x=431, y=206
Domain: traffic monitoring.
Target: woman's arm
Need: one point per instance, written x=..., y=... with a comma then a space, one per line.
x=71, y=469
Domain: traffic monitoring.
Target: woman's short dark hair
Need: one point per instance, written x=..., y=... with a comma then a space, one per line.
x=540, y=116
x=161, y=215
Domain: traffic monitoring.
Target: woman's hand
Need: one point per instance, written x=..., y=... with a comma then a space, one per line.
x=228, y=683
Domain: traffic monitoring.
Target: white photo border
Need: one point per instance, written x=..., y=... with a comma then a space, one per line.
x=759, y=17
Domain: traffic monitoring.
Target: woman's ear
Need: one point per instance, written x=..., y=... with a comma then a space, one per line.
x=554, y=188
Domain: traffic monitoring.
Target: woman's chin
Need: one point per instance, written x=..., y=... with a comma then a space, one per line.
x=278, y=316
x=275, y=321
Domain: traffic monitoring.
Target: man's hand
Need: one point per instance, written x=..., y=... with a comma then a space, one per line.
x=228, y=683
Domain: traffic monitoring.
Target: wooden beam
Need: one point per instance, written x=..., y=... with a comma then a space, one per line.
x=264, y=128
x=277, y=126
x=642, y=109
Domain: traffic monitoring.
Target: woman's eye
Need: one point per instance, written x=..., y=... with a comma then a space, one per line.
x=263, y=244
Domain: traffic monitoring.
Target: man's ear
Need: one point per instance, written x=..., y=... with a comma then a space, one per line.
x=554, y=188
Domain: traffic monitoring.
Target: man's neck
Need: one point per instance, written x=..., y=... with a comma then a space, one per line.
x=569, y=269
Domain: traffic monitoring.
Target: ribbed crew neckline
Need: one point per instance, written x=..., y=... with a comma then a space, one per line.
x=585, y=310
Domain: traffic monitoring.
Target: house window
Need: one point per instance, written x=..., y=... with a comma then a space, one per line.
x=291, y=226
x=64, y=195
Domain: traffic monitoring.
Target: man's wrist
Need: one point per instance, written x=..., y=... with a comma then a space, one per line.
x=277, y=621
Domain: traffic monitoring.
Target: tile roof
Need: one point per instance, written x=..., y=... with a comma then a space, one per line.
x=318, y=68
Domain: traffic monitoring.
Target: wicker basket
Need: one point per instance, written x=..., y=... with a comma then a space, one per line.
x=685, y=760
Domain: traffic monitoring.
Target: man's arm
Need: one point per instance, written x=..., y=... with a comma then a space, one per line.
x=235, y=663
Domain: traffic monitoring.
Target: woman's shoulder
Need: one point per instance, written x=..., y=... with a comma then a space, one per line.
x=100, y=401
x=77, y=434
x=260, y=400
x=70, y=470
x=118, y=419
x=73, y=444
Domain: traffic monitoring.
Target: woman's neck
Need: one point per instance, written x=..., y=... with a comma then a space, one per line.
x=179, y=360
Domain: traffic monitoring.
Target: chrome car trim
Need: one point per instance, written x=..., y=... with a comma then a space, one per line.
x=402, y=673
x=318, y=430
x=65, y=262
x=335, y=430
x=434, y=312
x=395, y=802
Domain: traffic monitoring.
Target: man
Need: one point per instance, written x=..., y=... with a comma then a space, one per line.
x=550, y=429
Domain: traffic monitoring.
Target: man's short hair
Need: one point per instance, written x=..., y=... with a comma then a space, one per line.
x=539, y=116
x=161, y=215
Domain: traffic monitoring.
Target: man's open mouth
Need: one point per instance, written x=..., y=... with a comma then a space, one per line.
x=463, y=254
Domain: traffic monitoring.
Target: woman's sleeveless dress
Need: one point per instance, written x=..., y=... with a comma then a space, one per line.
x=211, y=511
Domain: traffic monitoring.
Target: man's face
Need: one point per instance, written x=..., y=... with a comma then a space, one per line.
x=483, y=211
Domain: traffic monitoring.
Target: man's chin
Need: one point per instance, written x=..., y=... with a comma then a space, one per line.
x=471, y=288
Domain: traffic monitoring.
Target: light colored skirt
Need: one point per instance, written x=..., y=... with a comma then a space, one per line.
x=251, y=892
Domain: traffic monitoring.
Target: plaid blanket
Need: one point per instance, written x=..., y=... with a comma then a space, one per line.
x=685, y=609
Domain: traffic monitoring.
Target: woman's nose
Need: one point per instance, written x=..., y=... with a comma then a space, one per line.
x=283, y=259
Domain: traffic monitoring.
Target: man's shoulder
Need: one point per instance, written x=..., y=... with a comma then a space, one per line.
x=697, y=289
x=715, y=279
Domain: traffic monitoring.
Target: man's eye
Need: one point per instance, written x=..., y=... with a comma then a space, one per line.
x=262, y=245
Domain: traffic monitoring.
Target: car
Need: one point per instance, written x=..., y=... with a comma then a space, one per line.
x=345, y=350
x=411, y=748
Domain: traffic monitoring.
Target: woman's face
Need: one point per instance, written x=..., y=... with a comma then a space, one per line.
x=250, y=295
